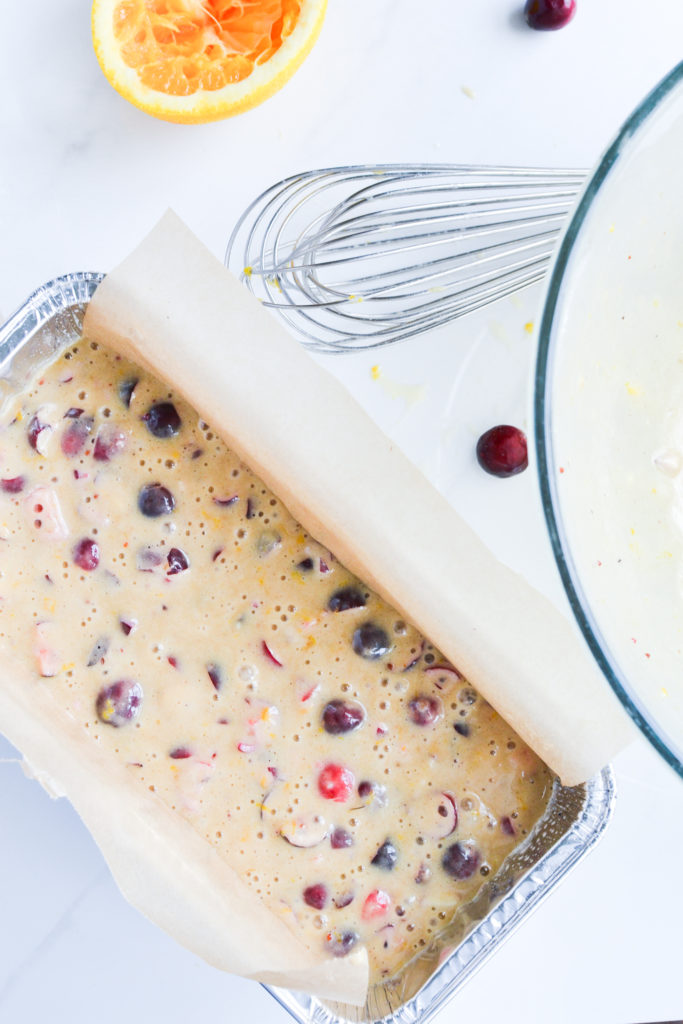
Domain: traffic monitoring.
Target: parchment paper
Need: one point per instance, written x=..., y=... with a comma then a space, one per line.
x=160, y=863
x=174, y=308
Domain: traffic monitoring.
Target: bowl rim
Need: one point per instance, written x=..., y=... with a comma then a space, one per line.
x=546, y=469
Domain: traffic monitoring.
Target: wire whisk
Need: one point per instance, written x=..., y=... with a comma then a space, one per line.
x=363, y=256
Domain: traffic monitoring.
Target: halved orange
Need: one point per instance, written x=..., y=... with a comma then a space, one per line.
x=202, y=60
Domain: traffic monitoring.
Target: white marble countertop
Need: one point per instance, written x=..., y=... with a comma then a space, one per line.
x=82, y=177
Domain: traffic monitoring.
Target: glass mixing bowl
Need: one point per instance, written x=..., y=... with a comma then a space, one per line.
x=609, y=415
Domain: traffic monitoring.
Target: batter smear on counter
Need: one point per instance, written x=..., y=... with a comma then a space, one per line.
x=166, y=599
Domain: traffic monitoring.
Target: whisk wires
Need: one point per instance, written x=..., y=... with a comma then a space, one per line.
x=363, y=256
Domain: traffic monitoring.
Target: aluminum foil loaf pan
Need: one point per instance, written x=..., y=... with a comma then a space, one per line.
x=576, y=818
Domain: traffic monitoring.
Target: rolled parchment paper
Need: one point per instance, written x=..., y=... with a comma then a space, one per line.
x=173, y=307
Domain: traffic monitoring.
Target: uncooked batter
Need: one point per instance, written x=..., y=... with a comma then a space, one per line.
x=168, y=601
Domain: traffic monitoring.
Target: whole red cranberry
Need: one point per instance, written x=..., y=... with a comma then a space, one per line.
x=549, y=15
x=502, y=451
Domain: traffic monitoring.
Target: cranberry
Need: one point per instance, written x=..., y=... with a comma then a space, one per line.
x=335, y=783
x=180, y=753
x=163, y=420
x=126, y=389
x=75, y=436
x=347, y=597
x=507, y=827
x=502, y=451
x=341, y=716
x=386, y=857
x=461, y=860
x=155, y=500
x=128, y=625
x=370, y=641
x=177, y=562
x=86, y=554
x=316, y=896
x=340, y=943
x=549, y=14
x=119, y=703
x=73, y=413
x=305, y=565
x=424, y=710
x=13, y=485
x=376, y=905
x=108, y=443
x=340, y=839
x=462, y=728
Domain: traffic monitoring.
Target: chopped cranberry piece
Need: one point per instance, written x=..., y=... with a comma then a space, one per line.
x=507, y=827
x=461, y=860
x=372, y=793
x=35, y=427
x=462, y=728
x=147, y=559
x=341, y=716
x=155, y=500
x=305, y=565
x=324, y=567
x=316, y=896
x=226, y=502
x=13, y=485
x=549, y=14
x=163, y=420
x=376, y=905
x=340, y=839
x=180, y=753
x=98, y=652
x=424, y=710
x=346, y=598
x=126, y=389
x=86, y=554
x=343, y=900
x=119, y=703
x=73, y=413
x=177, y=561
x=269, y=654
x=216, y=676
x=340, y=943
x=386, y=857
x=75, y=436
x=128, y=625
x=370, y=641
x=502, y=451
x=109, y=442
x=424, y=873
x=336, y=783
x=250, y=509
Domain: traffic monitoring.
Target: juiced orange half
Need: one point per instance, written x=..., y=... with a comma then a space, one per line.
x=192, y=61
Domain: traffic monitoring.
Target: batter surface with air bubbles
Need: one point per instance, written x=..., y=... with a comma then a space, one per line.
x=168, y=602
